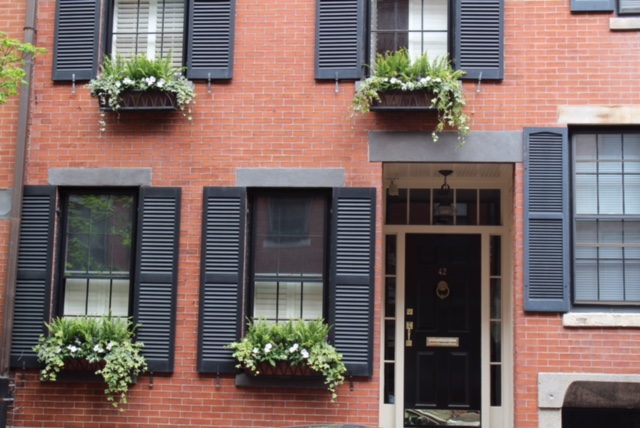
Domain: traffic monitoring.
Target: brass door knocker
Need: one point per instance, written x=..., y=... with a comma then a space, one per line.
x=442, y=290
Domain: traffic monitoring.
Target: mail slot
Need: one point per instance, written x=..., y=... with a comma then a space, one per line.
x=443, y=342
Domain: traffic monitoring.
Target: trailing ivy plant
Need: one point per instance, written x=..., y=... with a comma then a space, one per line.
x=396, y=71
x=118, y=74
x=107, y=342
x=295, y=342
x=12, y=59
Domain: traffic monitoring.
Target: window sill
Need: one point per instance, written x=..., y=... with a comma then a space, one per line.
x=600, y=319
x=624, y=24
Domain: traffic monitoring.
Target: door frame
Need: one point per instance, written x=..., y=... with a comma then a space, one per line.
x=392, y=414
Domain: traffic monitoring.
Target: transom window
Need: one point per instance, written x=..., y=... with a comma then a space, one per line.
x=153, y=28
x=98, y=233
x=607, y=218
x=420, y=26
x=289, y=253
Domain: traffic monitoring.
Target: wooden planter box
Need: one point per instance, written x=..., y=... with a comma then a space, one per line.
x=135, y=100
x=403, y=100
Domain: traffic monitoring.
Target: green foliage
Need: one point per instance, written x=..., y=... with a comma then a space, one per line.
x=140, y=73
x=296, y=342
x=107, y=341
x=12, y=59
x=395, y=70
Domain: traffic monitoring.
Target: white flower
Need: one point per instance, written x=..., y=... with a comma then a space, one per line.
x=118, y=84
x=72, y=348
x=110, y=345
x=98, y=349
x=394, y=80
x=267, y=348
x=160, y=83
x=150, y=80
x=294, y=348
x=304, y=353
x=255, y=351
x=127, y=81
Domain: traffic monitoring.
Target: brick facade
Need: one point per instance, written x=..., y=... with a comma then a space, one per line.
x=274, y=114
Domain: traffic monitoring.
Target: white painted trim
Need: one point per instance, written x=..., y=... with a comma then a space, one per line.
x=391, y=415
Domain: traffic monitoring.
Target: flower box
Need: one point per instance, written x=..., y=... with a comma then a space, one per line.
x=403, y=100
x=134, y=99
x=284, y=369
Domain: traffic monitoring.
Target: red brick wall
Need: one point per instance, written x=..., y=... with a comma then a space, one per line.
x=273, y=114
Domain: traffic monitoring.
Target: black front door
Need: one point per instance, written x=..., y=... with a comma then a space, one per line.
x=442, y=330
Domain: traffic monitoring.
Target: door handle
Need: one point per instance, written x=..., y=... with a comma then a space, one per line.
x=409, y=326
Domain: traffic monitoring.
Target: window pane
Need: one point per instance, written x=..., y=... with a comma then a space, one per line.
x=397, y=208
x=490, y=207
x=610, y=239
x=586, y=195
x=586, y=280
x=611, y=278
x=631, y=147
x=419, y=206
x=466, y=207
x=289, y=254
x=631, y=193
x=75, y=296
x=610, y=194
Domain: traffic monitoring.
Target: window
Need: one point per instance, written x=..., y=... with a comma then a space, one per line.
x=606, y=218
x=198, y=33
x=118, y=252
x=148, y=27
x=582, y=219
x=98, y=236
x=471, y=32
x=420, y=26
x=289, y=255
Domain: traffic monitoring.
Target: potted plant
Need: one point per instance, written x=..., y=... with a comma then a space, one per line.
x=297, y=343
x=437, y=80
x=140, y=83
x=105, y=343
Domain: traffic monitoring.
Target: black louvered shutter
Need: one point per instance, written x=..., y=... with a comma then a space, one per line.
x=156, y=276
x=223, y=227
x=33, y=281
x=546, y=221
x=352, y=276
x=479, y=38
x=592, y=5
x=339, y=39
x=628, y=6
x=75, y=54
x=210, y=39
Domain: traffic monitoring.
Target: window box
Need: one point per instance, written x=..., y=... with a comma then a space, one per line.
x=417, y=100
x=283, y=369
x=135, y=99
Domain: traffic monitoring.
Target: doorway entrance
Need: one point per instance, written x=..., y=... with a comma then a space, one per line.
x=442, y=382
